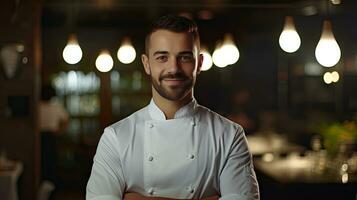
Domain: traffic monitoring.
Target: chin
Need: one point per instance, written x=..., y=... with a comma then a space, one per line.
x=179, y=97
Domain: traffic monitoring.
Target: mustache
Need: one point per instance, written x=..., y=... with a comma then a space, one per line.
x=178, y=75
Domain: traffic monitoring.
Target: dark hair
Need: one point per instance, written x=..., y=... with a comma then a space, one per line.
x=47, y=92
x=176, y=24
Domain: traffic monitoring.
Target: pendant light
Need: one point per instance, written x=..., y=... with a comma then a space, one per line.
x=126, y=53
x=217, y=56
x=229, y=50
x=72, y=53
x=331, y=77
x=207, y=59
x=104, y=61
x=289, y=39
x=327, y=51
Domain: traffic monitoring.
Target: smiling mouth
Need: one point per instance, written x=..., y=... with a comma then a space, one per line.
x=174, y=81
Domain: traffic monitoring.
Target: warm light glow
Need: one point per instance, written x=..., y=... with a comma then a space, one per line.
x=345, y=178
x=328, y=78
x=20, y=47
x=218, y=57
x=327, y=51
x=268, y=157
x=72, y=53
x=207, y=60
x=336, y=2
x=335, y=76
x=344, y=167
x=289, y=39
x=229, y=50
x=104, y=61
x=126, y=53
x=298, y=163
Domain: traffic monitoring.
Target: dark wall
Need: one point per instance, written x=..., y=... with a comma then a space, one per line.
x=20, y=23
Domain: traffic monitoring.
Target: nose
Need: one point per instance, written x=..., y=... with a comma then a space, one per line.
x=174, y=66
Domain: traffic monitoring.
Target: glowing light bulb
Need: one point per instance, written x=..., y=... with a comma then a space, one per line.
x=207, y=60
x=104, y=61
x=230, y=51
x=126, y=53
x=72, y=53
x=328, y=78
x=335, y=76
x=327, y=51
x=218, y=57
x=289, y=39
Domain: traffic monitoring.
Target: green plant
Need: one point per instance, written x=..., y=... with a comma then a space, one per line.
x=335, y=134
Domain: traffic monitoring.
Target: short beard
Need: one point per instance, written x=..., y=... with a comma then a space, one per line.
x=178, y=92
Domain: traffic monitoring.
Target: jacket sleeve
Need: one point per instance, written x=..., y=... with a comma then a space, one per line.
x=106, y=181
x=237, y=180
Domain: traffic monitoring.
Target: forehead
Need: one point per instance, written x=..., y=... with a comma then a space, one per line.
x=164, y=40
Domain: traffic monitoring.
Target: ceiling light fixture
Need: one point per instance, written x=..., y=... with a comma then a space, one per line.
x=72, y=53
x=327, y=51
x=289, y=39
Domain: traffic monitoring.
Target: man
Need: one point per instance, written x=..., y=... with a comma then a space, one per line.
x=173, y=148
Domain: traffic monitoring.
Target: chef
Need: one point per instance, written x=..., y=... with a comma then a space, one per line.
x=173, y=148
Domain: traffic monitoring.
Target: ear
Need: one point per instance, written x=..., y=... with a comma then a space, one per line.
x=199, y=63
x=145, y=61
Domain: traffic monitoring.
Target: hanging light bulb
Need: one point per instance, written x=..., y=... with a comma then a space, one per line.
x=72, y=53
x=217, y=56
x=230, y=51
x=327, y=51
x=104, y=61
x=328, y=78
x=335, y=76
x=126, y=53
x=289, y=39
x=207, y=60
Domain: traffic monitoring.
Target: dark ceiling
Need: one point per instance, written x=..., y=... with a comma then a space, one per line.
x=254, y=23
x=110, y=13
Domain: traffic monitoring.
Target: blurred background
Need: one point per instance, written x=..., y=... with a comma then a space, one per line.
x=286, y=70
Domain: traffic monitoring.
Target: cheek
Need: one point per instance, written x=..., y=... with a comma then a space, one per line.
x=190, y=70
x=153, y=71
x=156, y=68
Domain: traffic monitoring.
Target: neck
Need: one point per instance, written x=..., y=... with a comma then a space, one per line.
x=169, y=107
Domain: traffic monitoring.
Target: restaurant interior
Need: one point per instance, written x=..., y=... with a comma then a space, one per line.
x=286, y=70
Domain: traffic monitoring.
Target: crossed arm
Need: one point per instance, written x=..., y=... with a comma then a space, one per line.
x=136, y=196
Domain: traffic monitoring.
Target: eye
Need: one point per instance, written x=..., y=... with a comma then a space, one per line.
x=162, y=58
x=186, y=58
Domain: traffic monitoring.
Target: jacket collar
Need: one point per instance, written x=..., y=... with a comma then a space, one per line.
x=187, y=110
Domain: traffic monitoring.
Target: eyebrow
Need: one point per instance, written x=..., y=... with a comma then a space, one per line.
x=166, y=52
x=160, y=52
x=186, y=52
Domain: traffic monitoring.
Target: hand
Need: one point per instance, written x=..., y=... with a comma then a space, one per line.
x=133, y=196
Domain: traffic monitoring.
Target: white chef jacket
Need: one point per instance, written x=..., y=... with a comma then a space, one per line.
x=195, y=155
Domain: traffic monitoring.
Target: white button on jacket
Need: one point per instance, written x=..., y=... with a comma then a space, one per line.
x=150, y=158
x=146, y=151
x=151, y=191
